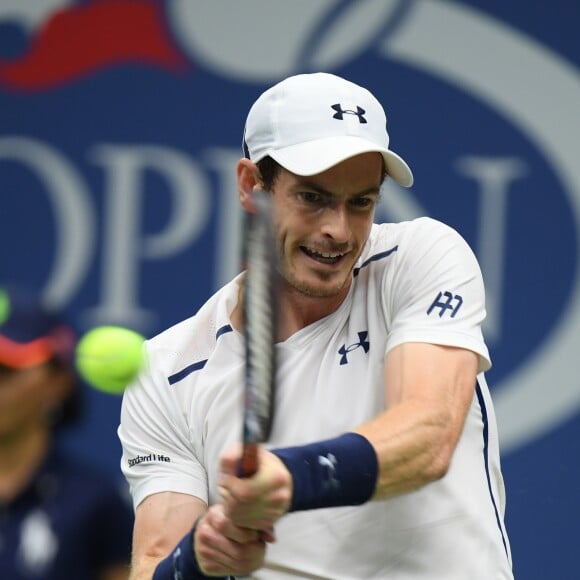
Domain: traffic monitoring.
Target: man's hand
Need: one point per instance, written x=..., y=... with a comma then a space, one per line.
x=223, y=548
x=257, y=502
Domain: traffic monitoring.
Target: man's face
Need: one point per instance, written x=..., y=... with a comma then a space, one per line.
x=323, y=222
x=26, y=398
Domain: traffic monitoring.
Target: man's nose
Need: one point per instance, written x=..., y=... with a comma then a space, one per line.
x=337, y=223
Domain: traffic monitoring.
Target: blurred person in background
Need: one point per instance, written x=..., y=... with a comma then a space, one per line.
x=59, y=518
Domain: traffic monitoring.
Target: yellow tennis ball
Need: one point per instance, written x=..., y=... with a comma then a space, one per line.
x=110, y=357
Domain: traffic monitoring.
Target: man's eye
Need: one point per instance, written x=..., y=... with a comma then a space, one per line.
x=310, y=197
x=363, y=202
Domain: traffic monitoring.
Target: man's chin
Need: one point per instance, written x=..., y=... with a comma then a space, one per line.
x=319, y=288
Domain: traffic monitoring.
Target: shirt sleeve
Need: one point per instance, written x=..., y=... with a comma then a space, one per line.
x=436, y=294
x=158, y=454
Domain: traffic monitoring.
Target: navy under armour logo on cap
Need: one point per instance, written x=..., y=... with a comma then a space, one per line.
x=340, y=112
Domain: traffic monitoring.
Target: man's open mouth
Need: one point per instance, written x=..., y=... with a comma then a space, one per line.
x=323, y=257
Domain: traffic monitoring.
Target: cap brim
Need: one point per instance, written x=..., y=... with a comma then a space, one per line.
x=17, y=355
x=319, y=155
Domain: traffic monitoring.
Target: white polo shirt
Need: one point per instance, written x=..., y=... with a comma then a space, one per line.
x=415, y=281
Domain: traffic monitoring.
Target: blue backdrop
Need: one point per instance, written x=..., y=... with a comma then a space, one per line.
x=121, y=121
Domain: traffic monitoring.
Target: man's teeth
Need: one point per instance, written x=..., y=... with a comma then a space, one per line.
x=325, y=255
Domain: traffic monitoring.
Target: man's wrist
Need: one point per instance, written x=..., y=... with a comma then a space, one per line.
x=337, y=472
x=182, y=564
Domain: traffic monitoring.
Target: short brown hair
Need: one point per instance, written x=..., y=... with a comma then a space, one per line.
x=269, y=171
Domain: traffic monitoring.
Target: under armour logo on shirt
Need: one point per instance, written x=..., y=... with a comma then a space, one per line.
x=362, y=343
x=340, y=112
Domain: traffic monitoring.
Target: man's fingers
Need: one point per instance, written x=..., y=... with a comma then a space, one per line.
x=222, y=547
x=222, y=524
x=268, y=535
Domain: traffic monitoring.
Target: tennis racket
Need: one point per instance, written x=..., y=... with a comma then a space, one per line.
x=260, y=317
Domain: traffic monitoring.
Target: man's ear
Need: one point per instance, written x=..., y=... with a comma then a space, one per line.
x=248, y=179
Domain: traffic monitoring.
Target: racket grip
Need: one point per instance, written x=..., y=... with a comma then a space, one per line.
x=249, y=461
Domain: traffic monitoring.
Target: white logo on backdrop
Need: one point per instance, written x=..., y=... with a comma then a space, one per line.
x=453, y=42
x=443, y=38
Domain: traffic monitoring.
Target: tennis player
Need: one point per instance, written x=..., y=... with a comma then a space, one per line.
x=383, y=460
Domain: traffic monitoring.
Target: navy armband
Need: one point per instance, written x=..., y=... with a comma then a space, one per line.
x=182, y=564
x=332, y=473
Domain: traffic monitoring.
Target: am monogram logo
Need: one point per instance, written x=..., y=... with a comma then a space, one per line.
x=446, y=301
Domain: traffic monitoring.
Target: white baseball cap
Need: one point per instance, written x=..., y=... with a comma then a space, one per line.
x=310, y=122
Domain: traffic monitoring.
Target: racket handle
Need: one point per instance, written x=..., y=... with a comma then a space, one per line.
x=249, y=461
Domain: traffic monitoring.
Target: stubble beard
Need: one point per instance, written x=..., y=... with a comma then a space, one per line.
x=316, y=290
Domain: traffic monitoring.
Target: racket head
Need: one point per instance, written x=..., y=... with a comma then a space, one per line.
x=259, y=324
